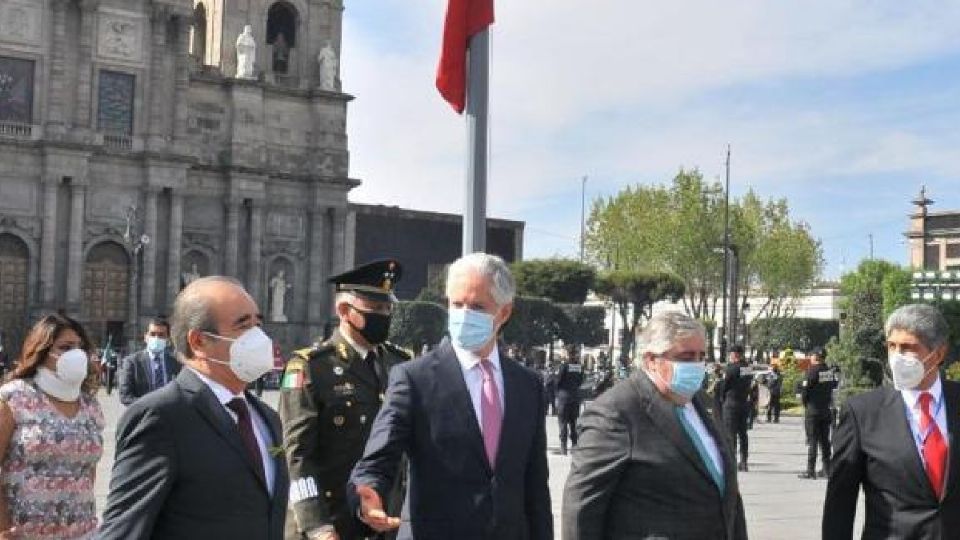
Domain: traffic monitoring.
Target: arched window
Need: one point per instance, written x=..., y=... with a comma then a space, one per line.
x=198, y=34
x=281, y=34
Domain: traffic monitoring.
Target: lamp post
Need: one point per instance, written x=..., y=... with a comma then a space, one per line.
x=136, y=241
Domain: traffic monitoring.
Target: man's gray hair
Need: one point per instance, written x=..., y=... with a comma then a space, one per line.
x=503, y=287
x=923, y=321
x=191, y=311
x=664, y=329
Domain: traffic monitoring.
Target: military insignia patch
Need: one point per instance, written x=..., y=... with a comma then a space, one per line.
x=342, y=349
x=293, y=376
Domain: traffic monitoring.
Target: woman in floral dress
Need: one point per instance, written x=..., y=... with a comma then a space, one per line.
x=51, y=436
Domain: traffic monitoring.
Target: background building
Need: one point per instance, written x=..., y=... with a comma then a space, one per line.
x=934, y=237
x=133, y=159
x=424, y=242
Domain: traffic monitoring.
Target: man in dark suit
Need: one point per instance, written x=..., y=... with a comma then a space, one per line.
x=569, y=380
x=471, y=423
x=895, y=443
x=197, y=459
x=145, y=371
x=652, y=463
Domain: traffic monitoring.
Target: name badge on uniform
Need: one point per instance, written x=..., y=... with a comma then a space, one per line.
x=826, y=376
x=575, y=368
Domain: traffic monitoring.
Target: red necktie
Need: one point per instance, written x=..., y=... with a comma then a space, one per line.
x=934, y=448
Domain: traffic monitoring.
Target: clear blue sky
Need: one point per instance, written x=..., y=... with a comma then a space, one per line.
x=843, y=108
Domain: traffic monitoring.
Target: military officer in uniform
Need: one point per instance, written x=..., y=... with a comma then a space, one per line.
x=816, y=395
x=330, y=395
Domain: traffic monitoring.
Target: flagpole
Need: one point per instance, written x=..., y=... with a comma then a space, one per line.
x=478, y=73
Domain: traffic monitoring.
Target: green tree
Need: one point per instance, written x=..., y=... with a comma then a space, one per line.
x=581, y=325
x=633, y=294
x=895, y=287
x=532, y=324
x=415, y=324
x=560, y=280
x=678, y=228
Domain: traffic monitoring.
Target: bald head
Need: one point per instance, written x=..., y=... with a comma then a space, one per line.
x=200, y=306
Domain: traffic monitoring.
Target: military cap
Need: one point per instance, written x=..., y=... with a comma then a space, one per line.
x=374, y=280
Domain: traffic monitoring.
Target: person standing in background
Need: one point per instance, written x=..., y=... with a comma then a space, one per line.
x=735, y=397
x=153, y=367
x=569, y=380
x=816, y=395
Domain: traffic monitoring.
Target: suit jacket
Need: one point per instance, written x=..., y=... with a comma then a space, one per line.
x=136, y=374
x=636, y=474
x=874, y=449
x=452, y=491
x=181, y=471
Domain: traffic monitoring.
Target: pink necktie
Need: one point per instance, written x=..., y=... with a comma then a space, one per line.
x=490, y=414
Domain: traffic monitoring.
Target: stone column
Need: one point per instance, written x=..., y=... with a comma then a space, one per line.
x=159, y=79
x=318, y=301
x=230, y=262
x=182, y=74
x=148, y=283
x=78, y=194
x=57, y=82
x=174, y=247
x=253, y=256
x=338, y=241
x=48, y=241
x=350, y=239
x=88, y=17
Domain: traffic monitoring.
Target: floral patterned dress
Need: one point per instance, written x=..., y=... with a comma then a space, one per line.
x=48, y=472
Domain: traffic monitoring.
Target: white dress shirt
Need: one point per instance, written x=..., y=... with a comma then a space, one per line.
x=690, y=413
x=911, y=399
x=260, y=428
x=473, y=376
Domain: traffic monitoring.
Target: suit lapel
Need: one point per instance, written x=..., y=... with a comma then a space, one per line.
x=273, y=424
x=664, y=416
x=511, y=408
x=903, y=439
x=951, y=395
x=207, y=405
x=450, y=377
x=729, y=465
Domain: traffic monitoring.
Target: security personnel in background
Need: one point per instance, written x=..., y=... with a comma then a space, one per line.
x=735, y=397
x=816, y=393
x=569, y=378
x=330, y=395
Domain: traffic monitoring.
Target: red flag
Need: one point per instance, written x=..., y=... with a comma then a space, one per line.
x=464, y=19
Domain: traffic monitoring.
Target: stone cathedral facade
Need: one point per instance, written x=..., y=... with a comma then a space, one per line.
x=133, y=159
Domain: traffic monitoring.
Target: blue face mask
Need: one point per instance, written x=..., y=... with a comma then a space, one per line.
x=469, y=329
x=687, y=377
x=156, y=345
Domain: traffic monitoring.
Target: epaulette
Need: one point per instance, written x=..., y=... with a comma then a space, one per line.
x=308, y=353
x=405, y=354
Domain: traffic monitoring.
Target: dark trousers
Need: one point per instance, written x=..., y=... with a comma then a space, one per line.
x=817, y=427
x=567, y=414
x=735, y=421
x=773, y=408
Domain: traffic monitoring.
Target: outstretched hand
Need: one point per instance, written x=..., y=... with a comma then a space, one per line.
x=371, y=510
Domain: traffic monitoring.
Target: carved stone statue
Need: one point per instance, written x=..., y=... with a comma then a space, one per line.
x=281, y=54
x=327, y=65
x=246, y=53
x=278, y=290
x=193, y=274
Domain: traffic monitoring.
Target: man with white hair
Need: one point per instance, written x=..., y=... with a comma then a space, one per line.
x=651, y=461
x=471, y=422
x=898, y=444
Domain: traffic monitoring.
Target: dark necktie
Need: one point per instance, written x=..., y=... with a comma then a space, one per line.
x=934, y=449
x=239, y=406
x=158, y=372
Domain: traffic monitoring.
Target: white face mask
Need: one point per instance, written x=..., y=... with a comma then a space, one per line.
x=908, y=370
x=64, y=383
x=251, y=354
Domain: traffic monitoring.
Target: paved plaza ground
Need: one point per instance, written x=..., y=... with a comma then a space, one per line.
x=777, y=503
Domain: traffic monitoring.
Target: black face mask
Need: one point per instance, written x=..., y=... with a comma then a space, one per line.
x=376, y=326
